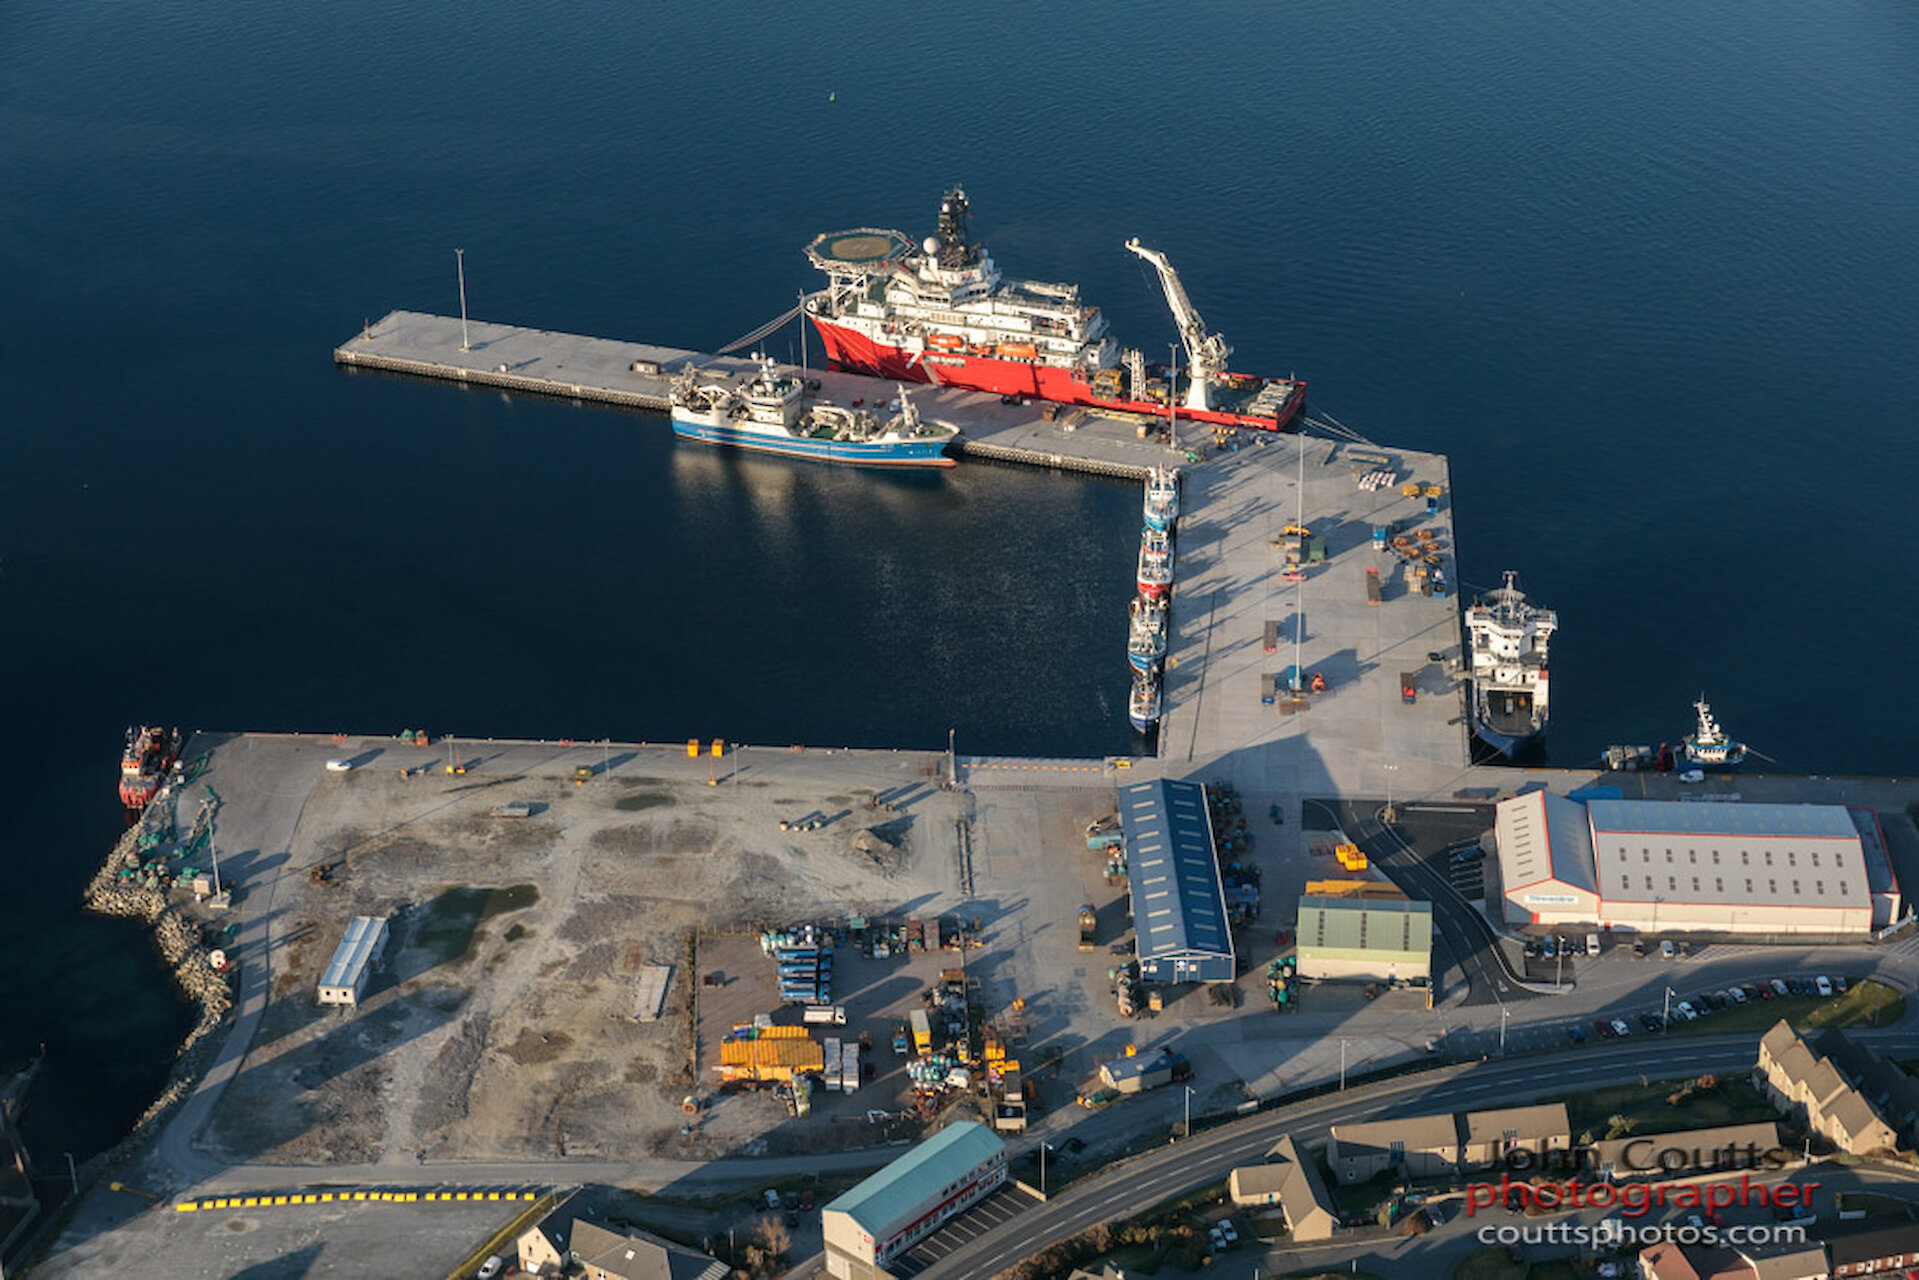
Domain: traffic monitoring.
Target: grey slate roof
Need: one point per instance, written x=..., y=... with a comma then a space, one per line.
x=638, y=1256
x=1179, y=904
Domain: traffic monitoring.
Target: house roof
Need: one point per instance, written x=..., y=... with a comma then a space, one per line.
x=1666, y=1261
x=635, y=1255
x=1892, y=1093
x=1179, y=903
x=1708, y=1148
x=1415, y=1133
x=1545, y=1120
x=1382, y=926
x=1872, y=1239
x=1804, y=1261
x=887, y=1197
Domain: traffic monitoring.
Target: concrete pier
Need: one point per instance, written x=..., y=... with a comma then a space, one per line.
x=1228, y=585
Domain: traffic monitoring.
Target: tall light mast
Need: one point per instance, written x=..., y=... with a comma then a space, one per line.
x=1206, y=352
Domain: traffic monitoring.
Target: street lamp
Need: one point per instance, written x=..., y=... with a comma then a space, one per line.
x=1342, y=1064
x=1188, y=1130
x=1665, y=1018
x=1387, y=815
x=1044, y=1147
x=1505, y=1015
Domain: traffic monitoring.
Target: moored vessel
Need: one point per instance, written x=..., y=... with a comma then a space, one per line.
x=1507, y=639
x=1155, y=564
x=940, y=311
x=1162, y=497
x=1146, y=634
x=149, y=753
x=1143, y=705
x=768, y=413
x=1708, y=746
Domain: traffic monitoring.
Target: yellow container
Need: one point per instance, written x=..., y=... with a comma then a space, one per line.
x=1410, y=489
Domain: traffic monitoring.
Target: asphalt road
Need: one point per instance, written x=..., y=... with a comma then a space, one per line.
x=1468, y=939
x=1138, y=1184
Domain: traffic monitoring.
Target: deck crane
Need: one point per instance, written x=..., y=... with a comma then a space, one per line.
x=1206, y=352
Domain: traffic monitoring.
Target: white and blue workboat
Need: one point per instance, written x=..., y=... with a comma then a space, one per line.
x=1146, y=635
x=768, y=414
x=1162, y=497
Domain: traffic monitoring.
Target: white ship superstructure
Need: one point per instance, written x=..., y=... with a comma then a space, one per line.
x=1507, y=640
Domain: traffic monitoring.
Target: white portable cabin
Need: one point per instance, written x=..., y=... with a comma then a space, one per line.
x=346, y=974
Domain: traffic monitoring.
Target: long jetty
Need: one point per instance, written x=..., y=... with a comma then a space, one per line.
x=1245, y=629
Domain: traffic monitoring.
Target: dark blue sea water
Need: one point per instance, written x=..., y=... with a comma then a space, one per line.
x=1646, y=273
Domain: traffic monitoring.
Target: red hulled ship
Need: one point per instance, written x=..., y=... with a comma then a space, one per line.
x=942, y=313
x=150, y=753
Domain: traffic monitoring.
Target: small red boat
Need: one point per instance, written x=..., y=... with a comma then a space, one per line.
x=150, y=752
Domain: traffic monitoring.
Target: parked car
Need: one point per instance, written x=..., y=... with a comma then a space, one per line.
x=1227, y=1229
x=772, y=1198
x=1737, y=994
x=1780, y=988
x=1685, y=1010
x=490, y=1268
x=1638, y=949
x=1548, y=947
x=1666, y=950
x=1576, y=1034
x=1651, y=1022
x=1604, y=1027
x=1824, y=984
x=1713, y=999
x=1839, y=985
x=1620, y=1029
x=1592, y=944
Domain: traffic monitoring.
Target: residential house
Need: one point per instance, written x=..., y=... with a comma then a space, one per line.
x=1817, y=1095
x=635, y=1255
x=1890, y=1092
x=1875, y=1247
x=1692, y=1151
x=1290, y=1179
x=1410, y=1146
x=1493, y=1136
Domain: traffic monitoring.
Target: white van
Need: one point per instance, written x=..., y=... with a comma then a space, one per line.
x=1592, y=944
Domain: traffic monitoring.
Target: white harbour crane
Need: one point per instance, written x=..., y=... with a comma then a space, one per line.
x=1206, y=353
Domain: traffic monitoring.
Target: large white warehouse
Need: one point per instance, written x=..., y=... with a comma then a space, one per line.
x=1653, y=866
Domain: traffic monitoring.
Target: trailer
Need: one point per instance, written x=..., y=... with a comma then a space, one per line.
x=1372, y=586
x=922, y=1032
x=1088, y=926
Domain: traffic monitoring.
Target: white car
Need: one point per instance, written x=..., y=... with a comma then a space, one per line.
x=1736, y=994
x=1823, y=985
x=1227, y=1232
x=339, y=766
x=1666, y=950
x=1620, y=1029
x=489, y=1268
x=1692, y=775
x=1685, y=1010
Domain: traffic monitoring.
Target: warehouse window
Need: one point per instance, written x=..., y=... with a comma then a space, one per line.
x=1819, y=887
x=1835, y=861
x=1749, y=886
x=1795, y=888
x=1648, y=882
x=1745, y=859
x=1769, y=857
x=1792, y=859
x=1772, y=887
x=1695, y=884
x=1715, y=857
x=1645, y=855
x=1815, y=859
x=1692, y=855
x=1842, y=888
x=1672, y=884
x=1718, y=885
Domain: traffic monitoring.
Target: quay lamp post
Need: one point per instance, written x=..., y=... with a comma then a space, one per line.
x=1665, y=1017
x=1188, y=1129
x=459, y=259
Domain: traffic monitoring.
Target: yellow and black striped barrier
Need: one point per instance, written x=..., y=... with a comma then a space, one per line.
x=354, y=1195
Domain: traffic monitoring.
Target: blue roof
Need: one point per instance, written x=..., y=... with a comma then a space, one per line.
x=356, y=949
x=1179, y=905
x=1776, y=820
x=883, y=1200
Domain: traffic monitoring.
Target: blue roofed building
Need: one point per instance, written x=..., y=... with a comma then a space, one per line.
x=868, y=1227
x=1179, y=903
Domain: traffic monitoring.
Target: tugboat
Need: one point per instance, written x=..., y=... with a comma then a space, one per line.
x=1507, y=638
x=1146, y=637
x=1155, y=564
x=1162, y=498
x=150, y=753
x=1142, y=708
x=1708, y=746
x=767, y=415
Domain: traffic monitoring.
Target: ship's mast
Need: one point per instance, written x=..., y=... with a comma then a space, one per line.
x=1206, y=352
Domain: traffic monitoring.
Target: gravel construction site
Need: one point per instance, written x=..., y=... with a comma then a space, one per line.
x=532, y=891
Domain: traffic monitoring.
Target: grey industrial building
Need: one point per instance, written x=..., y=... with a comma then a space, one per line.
x=1179, y=902
x=345, y=979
